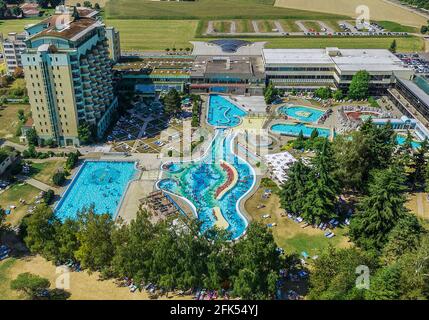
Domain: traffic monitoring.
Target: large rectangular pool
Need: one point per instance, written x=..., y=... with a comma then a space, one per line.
x=98, y=183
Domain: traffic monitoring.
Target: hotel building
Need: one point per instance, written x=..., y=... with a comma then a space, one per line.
x=13, y=47
x=309, y=69
x=68, y=74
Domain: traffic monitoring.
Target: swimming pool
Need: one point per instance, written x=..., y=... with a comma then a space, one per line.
x=295, y=129
x=98, y=183
x=302, y=113
x=400, y=139
x=223, y=113
x=200, y=180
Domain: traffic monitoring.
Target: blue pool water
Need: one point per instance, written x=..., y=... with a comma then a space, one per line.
x=99, y=183
x=302, y=113
x=295, y=129
x=401, y=140
x=223, y=113
x=199, y=180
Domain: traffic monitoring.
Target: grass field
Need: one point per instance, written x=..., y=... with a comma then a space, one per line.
x=290, y=26
x=161, y=34
x=83, y=286
x=312, y=26
x=154, y=34
x=288, y=234
x=266, y=25
x=45, y=170
x=378, y=9
x=244, y=26
x=9, y=120
x=204, y=9
x=11, y=197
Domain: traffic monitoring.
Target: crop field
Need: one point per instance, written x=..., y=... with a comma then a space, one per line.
x=378, y=9
x=204, y=9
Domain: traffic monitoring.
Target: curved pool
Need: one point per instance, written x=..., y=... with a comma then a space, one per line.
x=199, y=182
x=400, y=140
x=294, y=130
x=223, y=113
x=302, y=113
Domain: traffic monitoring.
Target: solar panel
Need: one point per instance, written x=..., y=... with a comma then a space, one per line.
x=230, y=45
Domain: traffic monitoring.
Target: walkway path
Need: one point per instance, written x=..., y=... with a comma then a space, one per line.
x=233, y=27
x=255, y=26
x=301, y=26
x=324, y=25
x=38, y=184
x=279, y=26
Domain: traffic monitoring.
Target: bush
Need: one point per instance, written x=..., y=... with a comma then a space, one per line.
x=59, y=178
x=48, y=197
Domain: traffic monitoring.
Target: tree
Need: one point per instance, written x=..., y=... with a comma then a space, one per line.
x=359, y=86
x=59, y=178
x=338, y=95
x=322, y=188
x=67, y=242
x=379, y=210
x=333, y=276
x=270, y=93
x=393, y=46
x=403, y=238
x=419, y=166
x=96, y=248
x=39, y=232
x=32, y=137
x=2, y=218
x=97, y=6
x=294, y=189
x=72, y=159
x=351, y=156
x=31, y=285
x=257, y=264
x=424, y=29
x=314, y=134
x=48, y=196
x=21, y=115
x=381, y=143
x=85, y=133
x=172, y=102
x=87, y=4
x=385, y=284
x=323, y=93
x=18, y=72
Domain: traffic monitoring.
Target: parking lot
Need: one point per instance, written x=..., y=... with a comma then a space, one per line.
x=415, y=61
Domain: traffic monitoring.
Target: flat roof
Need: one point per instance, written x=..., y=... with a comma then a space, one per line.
x=345, y=60
x=227, y=65
x=368, y=59
x=296, y=56
x=63, y=26
x=416, y=90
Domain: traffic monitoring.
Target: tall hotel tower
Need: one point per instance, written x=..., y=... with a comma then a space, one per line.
x=69, y=75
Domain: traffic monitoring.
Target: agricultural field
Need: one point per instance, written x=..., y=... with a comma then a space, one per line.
x=204, y=9
x=379, y=9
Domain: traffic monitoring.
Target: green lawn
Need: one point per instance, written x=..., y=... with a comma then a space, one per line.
x=154, y=34
x=396, y=27
x=205, y=9
x=9, y=122
x=11, y=197
x=312, y=26
x=5, y=291
x=45, y=170
x=161, y=34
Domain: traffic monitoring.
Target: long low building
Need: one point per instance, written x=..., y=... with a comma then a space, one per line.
x=309, y=69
